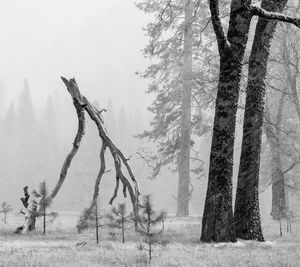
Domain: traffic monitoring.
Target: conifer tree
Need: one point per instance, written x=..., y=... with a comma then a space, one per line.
x=181, y=83
x=118, y=218
x=6, y=208
x=27, y=135
x=148, y=221
x=43, y=203
x=91, y=219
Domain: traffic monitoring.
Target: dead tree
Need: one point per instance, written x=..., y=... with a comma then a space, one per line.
x=83, y=105
x=30, y=213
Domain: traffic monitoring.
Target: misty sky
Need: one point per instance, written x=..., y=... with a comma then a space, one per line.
x=98, y=42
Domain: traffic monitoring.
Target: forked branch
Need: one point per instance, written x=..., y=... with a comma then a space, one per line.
x=82, y=104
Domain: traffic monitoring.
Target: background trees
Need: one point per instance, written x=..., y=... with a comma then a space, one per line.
x=181, y=83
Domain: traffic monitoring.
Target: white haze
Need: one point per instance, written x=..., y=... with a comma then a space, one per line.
x=98, y=42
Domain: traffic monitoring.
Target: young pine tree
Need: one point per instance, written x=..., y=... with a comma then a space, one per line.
x=43, y=203
x=148, y=221
x=6, y=208
x=90, y=219
x=118, y=218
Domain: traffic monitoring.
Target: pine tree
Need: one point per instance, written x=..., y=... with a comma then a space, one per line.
x=91, y=219
x=118, y=218
x=27, y=138
x=181, y=90
x=9, y=147
x=43, y=202
x=6, y=208
x=147, y=226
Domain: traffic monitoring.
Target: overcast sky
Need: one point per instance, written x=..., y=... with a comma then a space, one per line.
x=98, y=42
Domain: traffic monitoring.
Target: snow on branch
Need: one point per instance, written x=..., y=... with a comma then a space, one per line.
x=260, y=12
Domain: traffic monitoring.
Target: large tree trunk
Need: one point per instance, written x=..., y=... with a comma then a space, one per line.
x=185, y=125
x=217, y=221
x=247, y=213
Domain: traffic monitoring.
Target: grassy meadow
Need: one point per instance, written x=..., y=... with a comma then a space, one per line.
x=63, y=246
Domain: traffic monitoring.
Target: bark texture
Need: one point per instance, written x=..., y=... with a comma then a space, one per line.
x=247, y=213
x=183, y=196
x=217, y=222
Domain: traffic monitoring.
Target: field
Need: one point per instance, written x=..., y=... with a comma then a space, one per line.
x=63, y=246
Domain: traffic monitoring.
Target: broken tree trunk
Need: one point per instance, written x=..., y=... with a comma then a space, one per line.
x=30, y=214
x=82, y=105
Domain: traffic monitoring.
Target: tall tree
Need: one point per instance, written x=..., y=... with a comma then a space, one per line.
x=49, y=145
x=174, y=42
x=27, y=134
x=9, y=144
x=183, y=195
x=247, y=214
x=217, y=222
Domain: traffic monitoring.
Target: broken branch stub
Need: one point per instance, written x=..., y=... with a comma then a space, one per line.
x=82, y=104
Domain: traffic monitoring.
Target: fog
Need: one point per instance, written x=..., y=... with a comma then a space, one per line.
x=98, y=42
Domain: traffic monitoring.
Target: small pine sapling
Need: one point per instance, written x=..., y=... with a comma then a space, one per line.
x=6, y=208
x=118, y=218
x=91, y=219
x=44, y=203
x=279, y=214
x=148, y=226
x=289, y=215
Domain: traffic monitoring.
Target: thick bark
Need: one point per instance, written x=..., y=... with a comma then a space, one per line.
x=183, y=196
x=247, y=213
x=217, y=222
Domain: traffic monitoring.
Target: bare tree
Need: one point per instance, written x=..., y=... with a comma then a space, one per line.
x=82, y=105
x=217, y=222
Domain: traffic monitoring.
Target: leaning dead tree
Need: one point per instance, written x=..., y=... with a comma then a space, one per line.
x=82, y=106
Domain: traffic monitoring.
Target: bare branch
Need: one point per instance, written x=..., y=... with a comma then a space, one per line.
x=291, y=167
